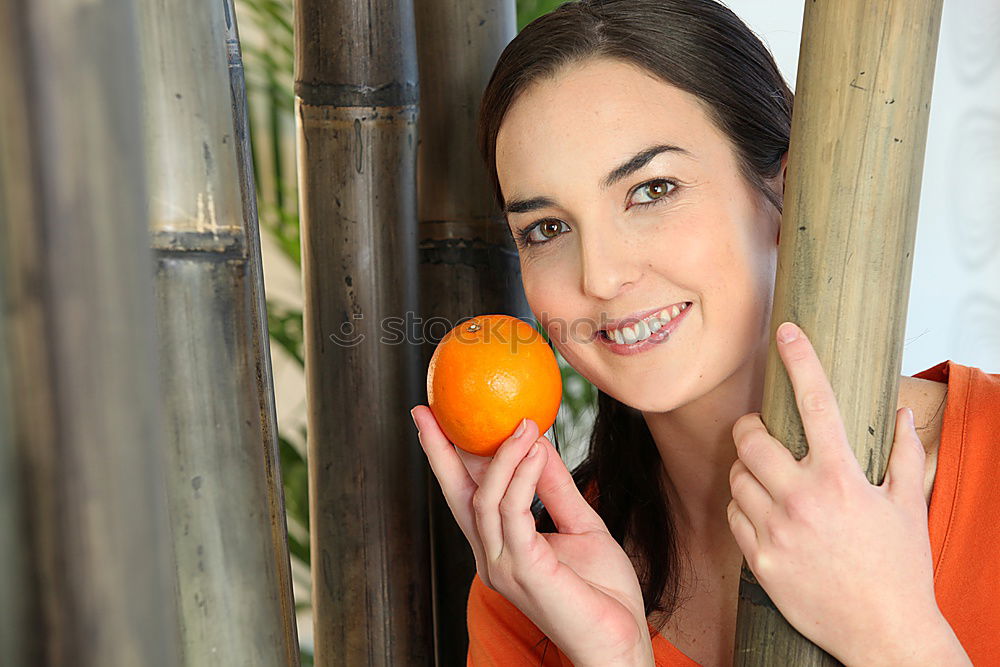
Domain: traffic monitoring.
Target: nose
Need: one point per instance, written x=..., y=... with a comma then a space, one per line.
x=609, y=265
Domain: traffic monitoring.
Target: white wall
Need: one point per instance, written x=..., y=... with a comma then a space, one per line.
x=954, y=308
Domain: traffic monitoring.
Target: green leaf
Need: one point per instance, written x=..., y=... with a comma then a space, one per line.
x=284, y=324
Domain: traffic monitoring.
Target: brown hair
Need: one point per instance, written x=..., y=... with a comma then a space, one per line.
x=701, y=47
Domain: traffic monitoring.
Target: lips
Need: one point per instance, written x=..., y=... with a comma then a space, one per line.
x=640, y=326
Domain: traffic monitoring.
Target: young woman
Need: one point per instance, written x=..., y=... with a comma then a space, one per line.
x=637, y=148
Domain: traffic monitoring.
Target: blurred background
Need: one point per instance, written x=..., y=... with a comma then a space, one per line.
x=954, y=309
x=266, y=39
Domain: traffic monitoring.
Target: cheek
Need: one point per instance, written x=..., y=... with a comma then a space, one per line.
x=746, y=282
x=743, y=257
x=550, y=286
x=546, y=283
x=760, y=261
x=546, y=275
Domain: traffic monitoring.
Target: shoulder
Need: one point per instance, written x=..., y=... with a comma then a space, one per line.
x=927, y=399
x=963, y=529
x=966, y=395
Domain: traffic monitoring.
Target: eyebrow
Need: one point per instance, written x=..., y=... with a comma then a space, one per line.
x=625, y=169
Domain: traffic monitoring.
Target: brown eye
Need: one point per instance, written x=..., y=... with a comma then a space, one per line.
x=550, y=229
x=648, y=193
x=656, y=190
x=546, y=230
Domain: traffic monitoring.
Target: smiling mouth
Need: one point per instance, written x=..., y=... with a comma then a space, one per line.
x=642, y=329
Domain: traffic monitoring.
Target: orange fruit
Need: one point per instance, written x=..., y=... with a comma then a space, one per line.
x=486, y=375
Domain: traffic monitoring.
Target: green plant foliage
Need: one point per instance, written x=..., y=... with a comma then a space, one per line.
x=268, y=55
x=284, y=324
x=579, y=403
x=295, y=475
x=529, y=10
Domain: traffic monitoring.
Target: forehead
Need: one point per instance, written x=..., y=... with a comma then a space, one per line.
x=590, y=116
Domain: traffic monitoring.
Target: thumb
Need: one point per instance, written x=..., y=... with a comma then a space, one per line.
x=904, y=475
x=570, y=512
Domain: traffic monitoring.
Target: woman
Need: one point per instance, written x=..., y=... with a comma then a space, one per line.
x=637, y=148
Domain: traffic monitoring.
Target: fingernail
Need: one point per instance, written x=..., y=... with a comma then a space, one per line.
x=520, y=428
x=533, y=450
x=909, y=413
x=414, y=418
x=788, y=332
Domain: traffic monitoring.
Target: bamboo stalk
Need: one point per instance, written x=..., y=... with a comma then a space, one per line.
x=224, y=482
x=78, y=322
x=851, y=197
x=261, y=343
x=19, y=610
x=356, y=109
x=468, y=263
x=15, y=554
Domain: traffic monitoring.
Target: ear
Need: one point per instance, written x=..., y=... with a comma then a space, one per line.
x=780, y=183
x=784, y=170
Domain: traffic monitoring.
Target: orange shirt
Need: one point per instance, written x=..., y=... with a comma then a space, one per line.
x=963, y=523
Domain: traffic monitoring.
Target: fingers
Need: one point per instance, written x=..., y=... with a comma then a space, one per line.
x=456, y=484
x=751, y=496
x=814, y=396
x=766, y=459
x=904, y=474
x=742, y=530
x=494, y=484
x=569, y=510
x=475, y=464
x=519, y=534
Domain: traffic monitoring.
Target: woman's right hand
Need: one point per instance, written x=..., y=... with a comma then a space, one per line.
x=577, y=586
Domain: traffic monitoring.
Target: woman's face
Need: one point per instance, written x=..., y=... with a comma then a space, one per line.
x=631, y=202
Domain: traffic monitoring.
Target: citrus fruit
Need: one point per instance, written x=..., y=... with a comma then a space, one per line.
x=486, y=375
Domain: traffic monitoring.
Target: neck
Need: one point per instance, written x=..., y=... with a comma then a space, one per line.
x=695, y=442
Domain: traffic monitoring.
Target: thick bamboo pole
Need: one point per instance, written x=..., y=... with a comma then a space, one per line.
x=19, y=610
x=852, y=191
x=226, y=499
x=356, y=107
x=259, y=334
x=15, y=552
x=468, y=263
x=78, y=321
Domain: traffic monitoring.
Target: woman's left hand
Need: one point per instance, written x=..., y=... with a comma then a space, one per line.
x=847, y=563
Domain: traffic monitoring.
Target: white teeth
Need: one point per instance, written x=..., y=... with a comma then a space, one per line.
x=642, y=331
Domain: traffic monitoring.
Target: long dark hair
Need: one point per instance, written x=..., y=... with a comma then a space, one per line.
x=701, y=47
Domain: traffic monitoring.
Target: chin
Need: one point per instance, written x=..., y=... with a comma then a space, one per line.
x=650, y=396
x=651, y=404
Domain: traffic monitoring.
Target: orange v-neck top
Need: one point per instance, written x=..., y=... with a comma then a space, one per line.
x=963, y=522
